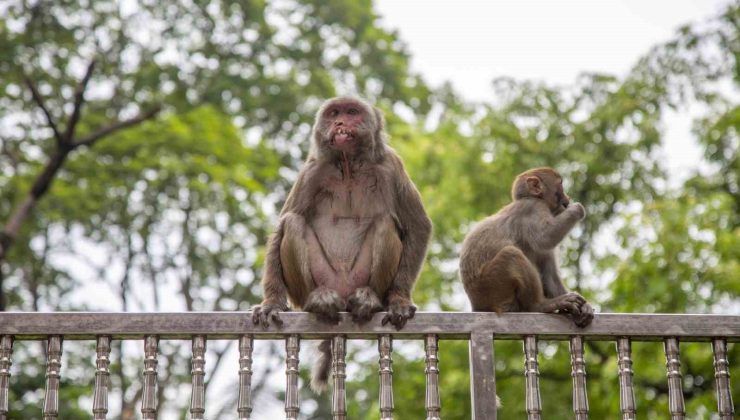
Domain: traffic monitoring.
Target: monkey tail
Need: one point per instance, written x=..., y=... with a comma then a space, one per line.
x=321, y=368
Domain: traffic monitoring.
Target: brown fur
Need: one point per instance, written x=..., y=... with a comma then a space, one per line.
x=353, y=232
x=508, y=261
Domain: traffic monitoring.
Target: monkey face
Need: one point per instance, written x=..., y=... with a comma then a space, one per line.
x=559, y=200
x=345, y=123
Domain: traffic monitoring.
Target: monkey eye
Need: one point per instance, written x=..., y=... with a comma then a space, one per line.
x=333, y=113
x=353, y=111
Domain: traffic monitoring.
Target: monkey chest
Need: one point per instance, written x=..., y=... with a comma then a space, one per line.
x=355, y=199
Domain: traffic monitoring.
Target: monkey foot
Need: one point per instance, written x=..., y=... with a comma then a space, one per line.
x=262, y=314
x=399, y=313
x=326, y=304
x=363, y=303
x=585, y=316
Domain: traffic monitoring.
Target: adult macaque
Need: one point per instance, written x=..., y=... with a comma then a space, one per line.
x=508, y=261
x=353, y=232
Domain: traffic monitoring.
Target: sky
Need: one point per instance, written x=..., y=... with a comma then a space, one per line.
x=471, y=42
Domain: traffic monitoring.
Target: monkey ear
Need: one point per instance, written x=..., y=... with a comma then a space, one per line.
x=534, y=186
x=380, y=121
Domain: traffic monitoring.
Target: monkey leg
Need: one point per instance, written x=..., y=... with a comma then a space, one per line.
x=506, y=283
x=386, y=257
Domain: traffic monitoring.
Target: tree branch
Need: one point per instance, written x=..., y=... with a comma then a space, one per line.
x=40, y=102
x=92, y=138
x=79, y=101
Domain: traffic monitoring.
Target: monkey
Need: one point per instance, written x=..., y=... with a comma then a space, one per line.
x=353, y=232
x=508, y=260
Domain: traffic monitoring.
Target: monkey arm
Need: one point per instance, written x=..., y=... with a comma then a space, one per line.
x=557, y=227
x=552, y=285
x=415, y=228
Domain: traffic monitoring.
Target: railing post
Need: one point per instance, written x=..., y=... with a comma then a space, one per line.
x=385, y=362
x=482, y=377
x=244, y=406
x=292, y=347
x=102, y=378
x=198, y=373
x=722, y=379
x=339, y=395
x=626, y=388
x=53, y=368
x=149, y=394
x=532, y=377
x=578, y=366
x=673, y=372
x=6, y=354
x=431, y=348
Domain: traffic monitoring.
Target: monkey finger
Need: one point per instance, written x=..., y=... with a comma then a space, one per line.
x=256, y=315
x=386, y=319
x=275, y=316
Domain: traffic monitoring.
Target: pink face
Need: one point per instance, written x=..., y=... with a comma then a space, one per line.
x=344, y=120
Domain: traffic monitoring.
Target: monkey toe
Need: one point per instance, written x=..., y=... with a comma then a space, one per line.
x=362, y=304
x=326, y=305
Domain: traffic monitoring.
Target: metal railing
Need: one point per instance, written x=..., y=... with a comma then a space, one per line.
x=479, y=328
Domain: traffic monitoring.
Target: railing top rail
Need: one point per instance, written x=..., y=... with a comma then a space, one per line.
x=447, y=325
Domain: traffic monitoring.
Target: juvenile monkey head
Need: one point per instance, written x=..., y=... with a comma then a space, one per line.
x=543, y=183
x=349, y=126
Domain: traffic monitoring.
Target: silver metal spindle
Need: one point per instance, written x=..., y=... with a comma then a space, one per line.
x=385, y=348
x=626, y=388
x=292, y=347
x=338, y=365
x=102, y=378
x=433, y=404
x=578, y=372
x=532, y=377
x=722, y=379
x=149, y=396
x=6, y=354
x=482, y=377
x=53, y=368
x=673, y=372
x=244, y=406
x=198, y=374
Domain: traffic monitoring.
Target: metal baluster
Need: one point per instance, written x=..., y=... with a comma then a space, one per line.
x=482, y=377
x=339, y=397
x=6, y=354
x=292, y=347
x=722, y=379
x=433, y=404
x=102, y=378
x=626, y=388
x=578, y=366
x=53, y=367
x=244, y=406
x=532, y=376
x=198, y=373
x=149, y=396
x=673, y=372
x=385, y=347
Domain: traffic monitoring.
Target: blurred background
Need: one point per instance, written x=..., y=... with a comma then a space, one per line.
x=147, y=146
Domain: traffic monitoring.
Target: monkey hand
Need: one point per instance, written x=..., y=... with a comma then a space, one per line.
x=585, y=316
x=326, y=304
x=398, y=313
x=262, y=314
x=362, y=304
x=578, y=210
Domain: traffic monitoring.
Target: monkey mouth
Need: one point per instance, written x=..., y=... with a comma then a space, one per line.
x=341, y=137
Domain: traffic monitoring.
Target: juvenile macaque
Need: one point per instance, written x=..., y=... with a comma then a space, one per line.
x=508, y=261
x=353, y=232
